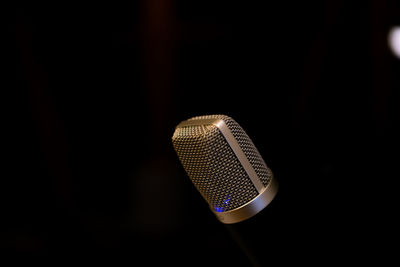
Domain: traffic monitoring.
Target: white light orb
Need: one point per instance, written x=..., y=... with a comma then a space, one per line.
x=394, y=41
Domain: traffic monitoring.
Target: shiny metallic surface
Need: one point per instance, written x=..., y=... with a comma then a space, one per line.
x=221, y=125
x=225, y=166
x=240, y=155
x=251, y=208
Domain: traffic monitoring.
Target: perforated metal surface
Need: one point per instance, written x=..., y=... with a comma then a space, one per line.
x=214, y=168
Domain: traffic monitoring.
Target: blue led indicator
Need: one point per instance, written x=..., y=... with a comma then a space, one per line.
x=226, y=202
x=219, y=209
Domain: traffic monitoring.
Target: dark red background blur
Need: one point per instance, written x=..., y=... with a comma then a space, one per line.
x=92, y=92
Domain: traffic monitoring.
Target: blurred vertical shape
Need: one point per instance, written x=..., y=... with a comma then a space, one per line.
x=382, y=13
x=380, y=16
x=156, y=205
x=315, y=61
x=48, y=124
x=158, y=41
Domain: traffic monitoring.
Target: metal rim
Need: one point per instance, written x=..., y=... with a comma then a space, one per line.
x=251, y=208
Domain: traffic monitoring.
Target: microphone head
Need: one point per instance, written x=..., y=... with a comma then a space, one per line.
x=225, y=166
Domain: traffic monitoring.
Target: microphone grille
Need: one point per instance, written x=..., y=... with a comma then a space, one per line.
x=212, y=165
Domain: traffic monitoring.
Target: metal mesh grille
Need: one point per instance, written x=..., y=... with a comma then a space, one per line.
x=214, y=168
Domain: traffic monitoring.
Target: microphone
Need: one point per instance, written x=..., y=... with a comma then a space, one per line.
x=228, y=171
x=225, y=166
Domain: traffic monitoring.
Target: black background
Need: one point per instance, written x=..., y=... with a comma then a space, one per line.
x=91, y=94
